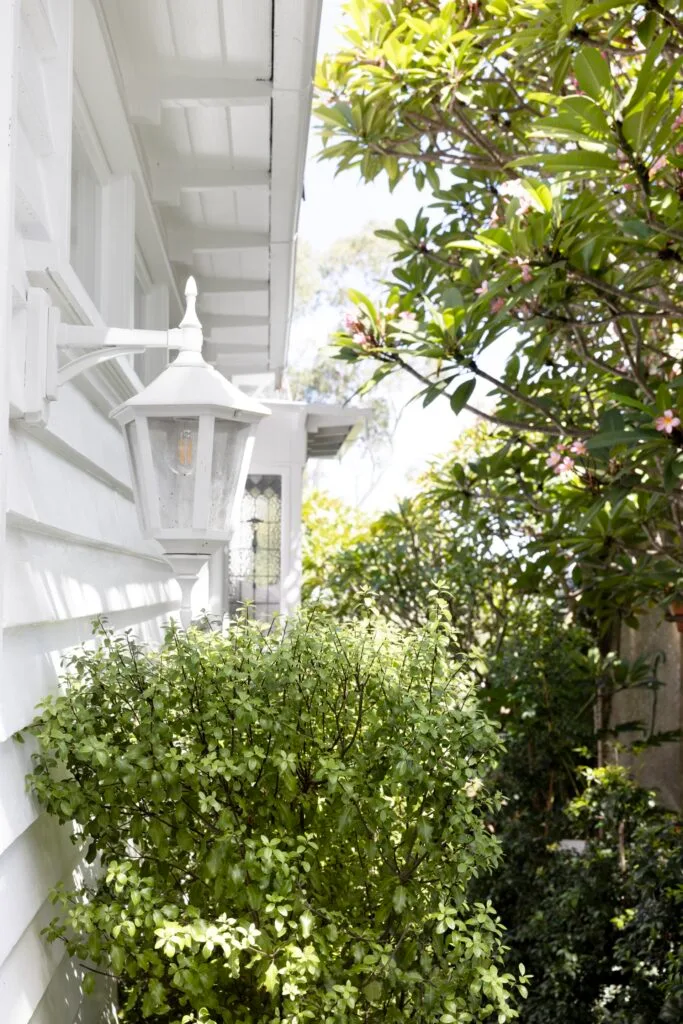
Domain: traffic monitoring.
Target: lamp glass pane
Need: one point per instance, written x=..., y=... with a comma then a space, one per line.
x=230, y=439
x=174, y=455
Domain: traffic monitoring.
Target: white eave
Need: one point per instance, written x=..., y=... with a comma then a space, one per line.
x=218, y=95
x=329, y=427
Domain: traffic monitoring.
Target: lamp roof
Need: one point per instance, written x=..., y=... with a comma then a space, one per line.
x=190, y=386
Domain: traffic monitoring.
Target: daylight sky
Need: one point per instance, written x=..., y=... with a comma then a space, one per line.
x=336, y=207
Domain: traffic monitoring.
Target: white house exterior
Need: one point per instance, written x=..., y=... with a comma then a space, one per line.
x=141, y=141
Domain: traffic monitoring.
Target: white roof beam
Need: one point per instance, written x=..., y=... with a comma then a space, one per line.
x=170, y=179
x=217, y=349
x=183, y=242
x=229, y=286
x=253, y=361
x=147, y=97
x=216, y=321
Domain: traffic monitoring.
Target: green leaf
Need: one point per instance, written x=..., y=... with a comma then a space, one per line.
x=118, y=958
x=573, y=160
x=612, y=438
x=593, y=75
x=88, y=983
x=271, y=978
x=462, y=395
x=373, y=991
x=645, y=76
x=399, y=899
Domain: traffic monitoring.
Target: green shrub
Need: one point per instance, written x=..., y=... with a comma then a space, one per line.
x=288, y=825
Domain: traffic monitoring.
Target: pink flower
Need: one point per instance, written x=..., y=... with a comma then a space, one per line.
x=658, y=166
x=678, y=123
x=565, y=465
x=553, y=459
x=407, y=314
x=498, y=304
x=361, y=339
x=514, y=189
x=578, y=448
x=667, y=421
x=527, y=275
x=482, y=289
x=350, y=321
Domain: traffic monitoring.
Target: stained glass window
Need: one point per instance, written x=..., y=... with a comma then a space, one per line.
x=254, y=563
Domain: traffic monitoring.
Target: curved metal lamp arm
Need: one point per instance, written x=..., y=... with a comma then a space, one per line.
x=103, y=343
x=90, y=359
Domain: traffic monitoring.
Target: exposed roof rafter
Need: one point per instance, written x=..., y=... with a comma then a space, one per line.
x=201, y=175
x=147, y=97
x=228, y=286
x=183, y=242
x=217, y=321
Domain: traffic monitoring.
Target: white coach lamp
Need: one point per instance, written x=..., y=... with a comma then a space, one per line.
x=189, y=438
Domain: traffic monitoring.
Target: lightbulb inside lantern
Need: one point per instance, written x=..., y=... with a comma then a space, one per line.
x=182, y=451
x=185, y=452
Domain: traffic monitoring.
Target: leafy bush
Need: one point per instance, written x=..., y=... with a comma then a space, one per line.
x=288, y=825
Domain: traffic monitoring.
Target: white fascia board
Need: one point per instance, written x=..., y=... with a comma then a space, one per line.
x=320, y=414
x=96, y=64
x=282, y=266
x=297, y=25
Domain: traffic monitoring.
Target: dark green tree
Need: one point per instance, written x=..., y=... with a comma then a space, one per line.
x=549, y=141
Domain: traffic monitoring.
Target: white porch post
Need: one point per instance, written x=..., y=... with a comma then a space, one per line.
x=218, y=597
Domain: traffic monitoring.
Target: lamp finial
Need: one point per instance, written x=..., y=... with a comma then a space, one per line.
x=190, y=324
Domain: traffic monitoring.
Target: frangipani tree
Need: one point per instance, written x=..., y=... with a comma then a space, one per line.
x=549, y=138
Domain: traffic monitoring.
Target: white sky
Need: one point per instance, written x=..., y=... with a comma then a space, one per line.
x=336, y=207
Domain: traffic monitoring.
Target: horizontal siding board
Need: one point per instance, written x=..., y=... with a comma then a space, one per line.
x=26, y=973
x=45, y=487
x=76, y=421
x=18, y=809
x=32, y=655
x=62, y=1000
x=47, y=579
x=26, y=525
x=34, y=863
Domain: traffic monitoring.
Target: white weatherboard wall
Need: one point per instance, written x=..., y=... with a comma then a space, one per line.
x=71, y=548
x=189, y=119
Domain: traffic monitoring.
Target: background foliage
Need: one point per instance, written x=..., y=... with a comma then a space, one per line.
x=543, y=675
x=600, y=931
